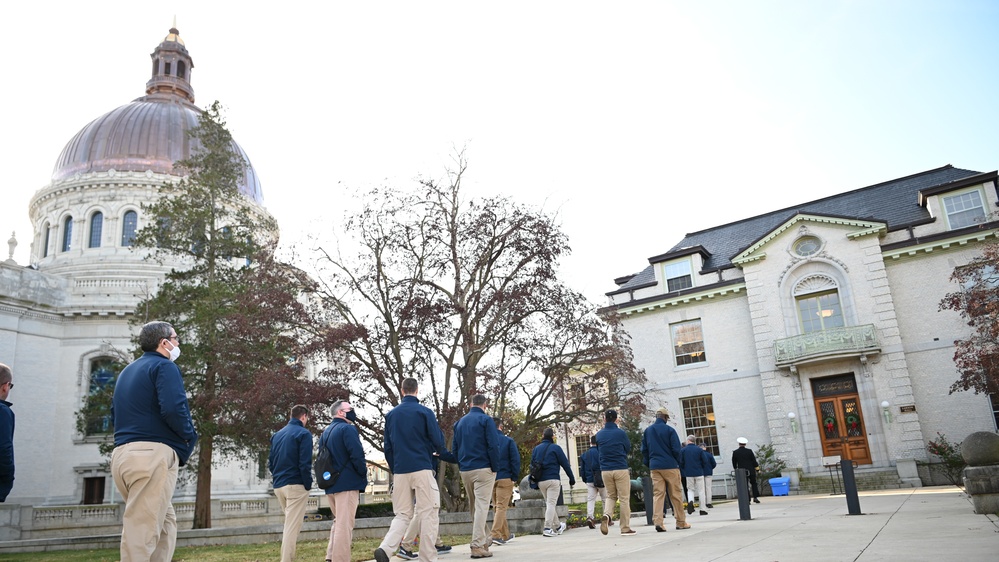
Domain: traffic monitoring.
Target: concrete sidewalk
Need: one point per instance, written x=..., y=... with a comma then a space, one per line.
x=932, y=524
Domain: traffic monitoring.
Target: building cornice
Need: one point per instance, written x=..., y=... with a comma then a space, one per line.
x=943, y=241
x=675, y=298
x=864, y=228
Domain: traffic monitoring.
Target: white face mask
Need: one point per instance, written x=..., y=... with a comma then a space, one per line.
x=175, y=352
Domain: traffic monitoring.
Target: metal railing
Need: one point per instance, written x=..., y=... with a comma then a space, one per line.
x=836, y=341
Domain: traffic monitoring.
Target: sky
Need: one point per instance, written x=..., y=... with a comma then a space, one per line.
x=633, y=123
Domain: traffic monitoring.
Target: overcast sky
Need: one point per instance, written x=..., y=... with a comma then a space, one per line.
x=635, y=122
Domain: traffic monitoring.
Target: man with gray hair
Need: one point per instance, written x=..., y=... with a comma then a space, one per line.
x=692, y=463
x=6, y=433
x=153, y=437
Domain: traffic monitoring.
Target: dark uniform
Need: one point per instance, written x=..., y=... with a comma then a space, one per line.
x=744, y=458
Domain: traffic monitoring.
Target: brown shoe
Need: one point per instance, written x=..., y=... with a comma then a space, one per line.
x=682, y=526
x=481, y=553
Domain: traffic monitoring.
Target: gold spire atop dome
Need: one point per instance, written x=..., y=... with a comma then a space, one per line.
x=173, y=36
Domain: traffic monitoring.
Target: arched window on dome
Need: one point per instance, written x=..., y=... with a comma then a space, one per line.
x=67, y=234
x=181, y=69
x=156, y=67
x=96, y=228
x=45, y=247
x=166, y=69
x=129, y=224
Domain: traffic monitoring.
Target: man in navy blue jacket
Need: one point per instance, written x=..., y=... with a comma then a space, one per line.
x=476, y=444
x=153, y=436
x=506, y=479
x=344, y=444
x=661, y=453
x=589, y=465
x=613, y=446
x=290, y=463
x=412, y=438
x=6, y=433
x=550, y=456
x=692, y=461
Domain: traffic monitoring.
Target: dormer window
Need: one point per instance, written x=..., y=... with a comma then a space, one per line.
x=964, y=209
x=678, y=276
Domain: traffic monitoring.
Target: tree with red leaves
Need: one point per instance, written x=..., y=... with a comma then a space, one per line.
x=246, y=320
x=977, y=356
x=464, y=295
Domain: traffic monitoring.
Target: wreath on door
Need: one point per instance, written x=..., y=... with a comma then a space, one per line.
x=854, y=421
x=829, y=424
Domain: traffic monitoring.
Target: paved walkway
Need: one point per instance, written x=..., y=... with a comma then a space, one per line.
x=933, y=524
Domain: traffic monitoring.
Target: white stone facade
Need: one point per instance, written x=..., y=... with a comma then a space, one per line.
x=889, y=281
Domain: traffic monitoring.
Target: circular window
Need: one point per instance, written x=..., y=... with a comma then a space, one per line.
x=807, y=245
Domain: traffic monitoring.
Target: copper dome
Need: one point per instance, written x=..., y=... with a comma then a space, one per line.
x=151, y=132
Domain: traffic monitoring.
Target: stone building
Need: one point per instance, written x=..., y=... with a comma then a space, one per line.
x=816, y=327
x=63, y=315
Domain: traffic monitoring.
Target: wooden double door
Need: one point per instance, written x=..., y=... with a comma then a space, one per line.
x=841, y=420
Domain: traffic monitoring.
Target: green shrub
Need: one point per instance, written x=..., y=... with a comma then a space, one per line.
x=952, y=463
x=771, y=466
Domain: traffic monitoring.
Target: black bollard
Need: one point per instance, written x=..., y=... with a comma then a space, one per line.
x=742, y=492
x=649, y=498
x=850, y=488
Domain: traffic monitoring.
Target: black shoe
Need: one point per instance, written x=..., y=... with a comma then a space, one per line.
x=660, y=529
x=710, y=506
x=702, y=512
x=756, y=500
x=406, y=554
x=444, y=549
x=690, y=508
x=380, y=555
x=589, y=523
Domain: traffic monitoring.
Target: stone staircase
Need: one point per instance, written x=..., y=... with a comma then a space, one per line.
x=867, y=479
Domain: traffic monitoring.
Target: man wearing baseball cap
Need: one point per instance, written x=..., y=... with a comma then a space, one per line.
x=661, y=453
x=743, y=457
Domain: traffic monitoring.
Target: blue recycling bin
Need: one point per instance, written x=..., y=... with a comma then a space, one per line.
x=780, y=486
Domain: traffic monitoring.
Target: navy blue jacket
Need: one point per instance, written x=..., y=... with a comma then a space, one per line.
x=509, y=458
x=344, y=444
x=660, y=446
x=475, y=441
x=692, y=460
x=150, y=404
x=290, y=461
x=614, y=446
x=553, y=458
x=412, y=436
x=709, y=463
x=589, y=463
x=6, y=449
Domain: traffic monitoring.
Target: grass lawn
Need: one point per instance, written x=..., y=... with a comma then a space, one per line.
x=361, y=549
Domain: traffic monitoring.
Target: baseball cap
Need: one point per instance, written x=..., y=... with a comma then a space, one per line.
x=662, y=412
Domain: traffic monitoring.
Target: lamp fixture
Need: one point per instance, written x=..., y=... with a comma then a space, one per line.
x=794, y=424
x=886, y=411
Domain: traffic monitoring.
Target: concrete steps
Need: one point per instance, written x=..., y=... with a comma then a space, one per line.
x=867, y=479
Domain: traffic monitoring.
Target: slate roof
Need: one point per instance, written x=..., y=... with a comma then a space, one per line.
x=895, y=202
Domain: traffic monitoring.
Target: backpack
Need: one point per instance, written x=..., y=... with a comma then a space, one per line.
x=537, y=468
x=326, y=473
x=598, y=479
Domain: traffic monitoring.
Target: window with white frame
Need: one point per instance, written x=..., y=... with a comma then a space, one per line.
x=699, y=420
x=820, y=311
x=582, y=444
x=678, y=275
x=964, y=209
x=688, y=342
x=994, y=401
x=96, y=229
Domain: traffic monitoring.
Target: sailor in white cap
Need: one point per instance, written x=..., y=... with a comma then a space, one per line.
x=743, y=457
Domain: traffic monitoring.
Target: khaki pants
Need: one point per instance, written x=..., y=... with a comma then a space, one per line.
x=479, y=487
x=549, y=490
x=695, y=486
x=419, y=487
x=663, y=480
x=502, y=492
x=343, y=505
x=409, y=539
x=292, y=498
x=618, y=484
x=145, y=474
x=591, y=497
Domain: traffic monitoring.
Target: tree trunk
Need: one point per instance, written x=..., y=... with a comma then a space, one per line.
x=203, y=494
